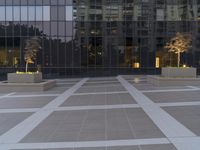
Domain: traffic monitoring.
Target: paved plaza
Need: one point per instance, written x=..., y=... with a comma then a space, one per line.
x=108, y=113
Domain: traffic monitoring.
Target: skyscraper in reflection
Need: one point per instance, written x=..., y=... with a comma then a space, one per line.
x=98, y=37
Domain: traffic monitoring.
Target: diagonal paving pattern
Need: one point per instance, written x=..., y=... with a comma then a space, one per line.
x=101, y=114
x=180, y=136
x=21, y=130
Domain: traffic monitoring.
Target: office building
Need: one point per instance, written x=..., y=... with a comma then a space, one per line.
x=97, y=37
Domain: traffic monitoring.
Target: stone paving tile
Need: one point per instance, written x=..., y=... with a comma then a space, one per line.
x=124, y=148
x=166, y=97
x=102, y=79
x=9, y=120
x=2, y=94
x=92, y=125
x=143, y=147
x=58, y=127
x=102, y=99
x=189, y=116
x=24, y=102
x=100, y=89
x=146, y=147
x=64, y=85
x=47, y=149
x=158, y=147
x=56, y=91
x=142, y=125
x=131, y=77
x=146, y=86
x=101, y=84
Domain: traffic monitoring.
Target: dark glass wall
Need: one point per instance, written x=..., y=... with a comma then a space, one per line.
x=97, y=37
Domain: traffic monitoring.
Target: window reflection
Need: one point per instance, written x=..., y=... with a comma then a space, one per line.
x=9, y=12
x=31, y=13
x=69, y=13
x=38, y=13
x=25, y=13
x=2, y=12
x=16, y=13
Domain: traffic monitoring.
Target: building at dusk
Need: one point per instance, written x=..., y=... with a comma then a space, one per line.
x=97, y=37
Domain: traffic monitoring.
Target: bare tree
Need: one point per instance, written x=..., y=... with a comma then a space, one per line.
x=32, y=46
x=179, y=44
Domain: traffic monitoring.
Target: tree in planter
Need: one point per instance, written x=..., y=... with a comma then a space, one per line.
x=32, y=46
x=179, y=44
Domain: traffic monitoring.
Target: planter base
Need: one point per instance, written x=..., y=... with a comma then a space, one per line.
x=167, y=81
x=179, y=72
x=24, y=78
x=27, y=87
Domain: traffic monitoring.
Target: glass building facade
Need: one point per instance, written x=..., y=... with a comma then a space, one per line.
x=97, y=37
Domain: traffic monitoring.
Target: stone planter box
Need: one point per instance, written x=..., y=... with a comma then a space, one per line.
x=169, y=81
x=175, y=72
x=27, y=87
x=24, y=78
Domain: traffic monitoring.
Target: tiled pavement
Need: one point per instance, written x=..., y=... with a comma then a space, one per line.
x=114, y=113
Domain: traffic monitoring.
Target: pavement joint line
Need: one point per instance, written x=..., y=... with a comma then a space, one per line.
x=170, y=90
x=165, y=122
x=18, y=132
x=178, y=104
x=96, y=86
x=171, y=128
x=97, y=107
x=39, y=95
x=100, y=93
x=187, y=143
x=86, y=144
x=6, y=95
x=100, y=82
x=193, y=87
x=17, y=110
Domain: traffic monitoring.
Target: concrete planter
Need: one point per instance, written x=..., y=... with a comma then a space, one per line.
x=24, y=78
x=175, y=72
x=164, y=81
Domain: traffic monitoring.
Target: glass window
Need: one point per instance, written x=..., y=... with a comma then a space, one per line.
x=24, y=13
x=69, y=13
x=61, y=13
x=68, y=2
x=2, y=2
x=9, y=12
x=16, y=14
x=8, y=2
x=2, y=12
x=46, y=2
x=61, y=2
x=23, y=2
x=54, y=12
x=46, y=28
x=38, y=2
x=16, y=2
x=31, y=2
x=54, y=29
x=61, y=28
x=53, y=2
x=69, y=28
x=38, y=13
x=31, y=13
x=46, y=13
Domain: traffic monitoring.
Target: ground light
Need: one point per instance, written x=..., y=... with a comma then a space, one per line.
x=19, y=72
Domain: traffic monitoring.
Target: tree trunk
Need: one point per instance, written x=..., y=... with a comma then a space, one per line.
x=179, y=59
x=26, y=67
